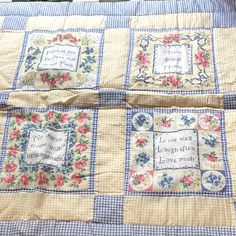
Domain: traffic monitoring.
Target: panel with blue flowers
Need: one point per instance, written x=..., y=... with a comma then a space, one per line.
x=60, y=60
x=49, y=150
x=176, y=152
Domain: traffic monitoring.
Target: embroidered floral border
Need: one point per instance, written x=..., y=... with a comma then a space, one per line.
x=76, y=172
x=200, y=77
x=195, y=164
x=31, y=77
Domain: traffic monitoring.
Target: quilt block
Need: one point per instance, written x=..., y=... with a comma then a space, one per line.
x=49, y=149
x=59, y=60
x=177, y=151
x=118, y=118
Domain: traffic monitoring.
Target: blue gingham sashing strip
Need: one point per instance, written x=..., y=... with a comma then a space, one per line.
x=119, y=8
x=108, y=209
x=73, y=228
x=3, y=99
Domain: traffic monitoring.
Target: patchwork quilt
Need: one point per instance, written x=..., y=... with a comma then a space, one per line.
x=118, y=118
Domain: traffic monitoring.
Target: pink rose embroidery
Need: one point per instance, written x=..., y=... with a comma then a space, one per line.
x=82, y=117
x=140, y=179
x=187, y=180
x=64, y=118
x=212, y=158
x=59, y=180
x=24, y=179
x=35, y=118
x=171, y=38
x=42, y=177
x=140, y=141
x=143, y=58
x=14, y=134
x=19, y=119
x=10, y=167
x=80, y=164
x=13, y=151
x=173, y=81
x=76, y=178
x=81, y=147
x=9, y=179
x=166, y=123
x=51, y=116
x=83, y=130
x=202, y=58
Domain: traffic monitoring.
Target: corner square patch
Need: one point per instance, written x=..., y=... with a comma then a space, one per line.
x=51, y=150
x=60, y=60
x=178, y=62
x=176, y=152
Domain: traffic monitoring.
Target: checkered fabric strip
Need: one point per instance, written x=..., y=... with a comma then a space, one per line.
x=50, y=228
x=108, y=209
x=230, y=101
x=112, y=97
x=119, y=8
x=3, y=99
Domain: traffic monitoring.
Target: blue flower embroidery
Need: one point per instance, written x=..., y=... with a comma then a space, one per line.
x=142, y=159
x=210, y=141
x=166, y=181
x=141, y=120
x=88, y=60
x=88, y=50
x=214, y=179
x=32, y=55
x=187, y=120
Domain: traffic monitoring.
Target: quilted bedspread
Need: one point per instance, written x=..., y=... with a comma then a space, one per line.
x=118, y=118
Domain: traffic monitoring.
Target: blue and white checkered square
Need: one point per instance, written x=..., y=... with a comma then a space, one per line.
x=3, y=99
x=230, y=101
x=15, y=23
x=112, y=97
x=108, y=209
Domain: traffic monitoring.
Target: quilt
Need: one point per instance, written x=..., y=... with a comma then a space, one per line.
x=118, y=118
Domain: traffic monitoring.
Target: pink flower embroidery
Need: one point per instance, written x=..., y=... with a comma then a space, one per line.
x=171, y=38
x=143, y=58
x=81, y=147
x=207, y=118
x=10, y=167
x=202, y=58
x=53, y=80
x=51, y=116
x=140, y=141
x=13, y=151
x=59, y=180
x=42, y=177
x=211, y=157
x=9, y=179
x=83, y=130
x=24, y=179
x=140, y=179
x=14, y=134
x=166, y=123
x=19, y=119
x=44, y=77
x=173, y=81
x=76, y=178
x=83, y=116
x=80, y=164
x=187, y=180
x=64, y=118
x=35, y=118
